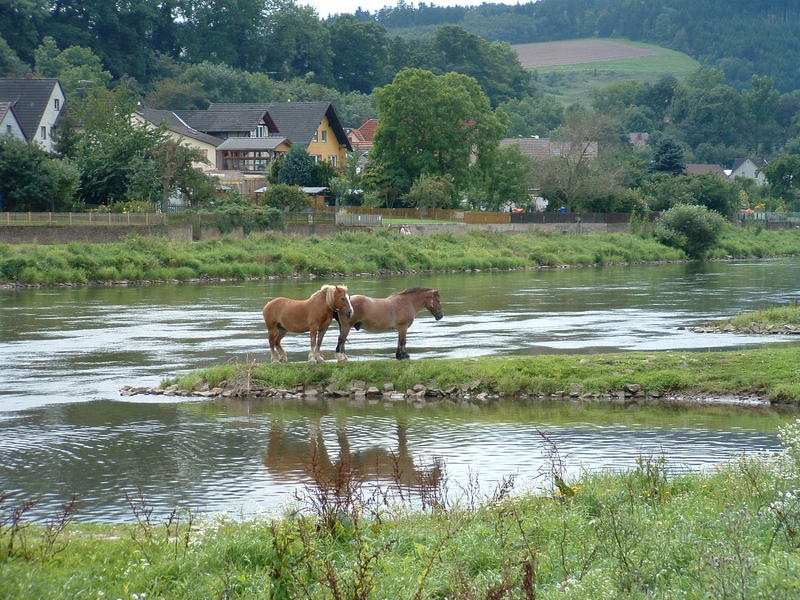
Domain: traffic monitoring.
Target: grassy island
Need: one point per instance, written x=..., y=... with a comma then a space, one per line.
x=773, y=373
x=777, y=319
x=351, y=253
x=642, y=533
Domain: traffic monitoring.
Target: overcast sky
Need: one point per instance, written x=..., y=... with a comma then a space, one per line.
x=327, y=7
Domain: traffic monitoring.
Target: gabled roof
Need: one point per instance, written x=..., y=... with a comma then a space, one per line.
x=701, y=168
x=758, y=162
x=5, y=108
x=30, y=98
x=295, y=120
x=172, y=122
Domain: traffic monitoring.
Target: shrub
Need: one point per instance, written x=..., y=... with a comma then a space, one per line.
x=692, y=228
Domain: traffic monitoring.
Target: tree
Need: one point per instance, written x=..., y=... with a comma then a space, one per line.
x=77, y=68
x=435, y=125
x=692, y=228
x=783, y=176
x=432, y=191
x=359, y=54
x=33, y=180
x=503, y=183
x=668, y=157
x=171, y=94
x=297, y=167
x=10, y=63
x=286, y=197
x=535, y=114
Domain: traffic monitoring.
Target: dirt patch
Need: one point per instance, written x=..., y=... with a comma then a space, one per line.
x=574, y=52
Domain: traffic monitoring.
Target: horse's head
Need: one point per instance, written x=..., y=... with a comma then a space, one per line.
x=340, y=301
x=433, y=304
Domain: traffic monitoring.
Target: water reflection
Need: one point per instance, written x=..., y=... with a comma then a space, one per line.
x=248, y=457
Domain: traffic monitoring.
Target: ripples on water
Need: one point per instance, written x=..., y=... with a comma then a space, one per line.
x=65, y=430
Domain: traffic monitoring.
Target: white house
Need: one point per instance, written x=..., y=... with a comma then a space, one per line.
x=9, y=124
x=748, y=167
x=37, y=105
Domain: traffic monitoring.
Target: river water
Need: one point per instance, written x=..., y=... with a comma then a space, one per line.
x=65, y=429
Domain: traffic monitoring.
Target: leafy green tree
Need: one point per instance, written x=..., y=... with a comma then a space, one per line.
x=111, y=146
x=166, y=170
x=535, y=114
x=222, y=31
x=171, y=94
x=10, y=63
x=617, y=96
x=297, y=167
x=783, y=176
x=504, y=182
x=77, y=68
x=286, y=197
x=359, y=54
x=435, y=125
x=297, y=44
x=761, y=103
x=692, y=228
x=218, y=82
x=663, y=191
x=33, y=180
x=432, y=191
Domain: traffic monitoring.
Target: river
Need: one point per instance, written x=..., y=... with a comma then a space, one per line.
x=65, y=429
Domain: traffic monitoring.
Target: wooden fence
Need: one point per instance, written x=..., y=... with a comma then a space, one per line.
x=100, y=219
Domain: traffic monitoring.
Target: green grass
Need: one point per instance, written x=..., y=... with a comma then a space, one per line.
x=776, y=317
x=348, y=253
x=574, y=83
x=771, y=372
x=637, y=534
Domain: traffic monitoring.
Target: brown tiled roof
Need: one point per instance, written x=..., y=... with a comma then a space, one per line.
x=542, y=148
x=701, y=168
x=29, y=97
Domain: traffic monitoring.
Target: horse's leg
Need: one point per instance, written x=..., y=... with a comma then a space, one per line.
x=401, y=353
x=318, y=348
x=312, y=359
x=273, y=353
x=281, y=352
x=344, y=330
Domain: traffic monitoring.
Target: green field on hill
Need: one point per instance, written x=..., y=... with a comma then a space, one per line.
x=574, y=82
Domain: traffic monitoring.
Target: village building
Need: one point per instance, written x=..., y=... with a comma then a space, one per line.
x=33, y=107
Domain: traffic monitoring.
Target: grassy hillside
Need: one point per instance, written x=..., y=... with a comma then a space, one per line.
x=564, y=71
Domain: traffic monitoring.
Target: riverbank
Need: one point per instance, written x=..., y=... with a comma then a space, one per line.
x=777, y=320
x=764, y=375
x=646, y=532
x=139, y=260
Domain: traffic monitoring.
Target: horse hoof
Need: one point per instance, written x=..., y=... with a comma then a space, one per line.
x=341, y=358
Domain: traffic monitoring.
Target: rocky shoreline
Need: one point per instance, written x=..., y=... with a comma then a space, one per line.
x=470, y=395
x=753, y=328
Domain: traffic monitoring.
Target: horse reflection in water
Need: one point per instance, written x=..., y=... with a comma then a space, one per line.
x=378, y=315
x=314, y=315
x=290, y=454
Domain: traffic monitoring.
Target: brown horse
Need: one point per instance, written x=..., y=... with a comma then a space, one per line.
x=298, y=316
x=377, y=315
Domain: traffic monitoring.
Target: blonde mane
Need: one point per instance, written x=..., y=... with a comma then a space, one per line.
x=330, y=290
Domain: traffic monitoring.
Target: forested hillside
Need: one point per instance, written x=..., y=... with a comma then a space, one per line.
x=740, y=37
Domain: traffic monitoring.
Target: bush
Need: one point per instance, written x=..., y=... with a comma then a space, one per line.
x=692, y=228
x=286, y=197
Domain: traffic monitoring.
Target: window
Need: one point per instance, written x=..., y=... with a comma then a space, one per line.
x=43, y=133
x=332, y=160
x=57, y=103
x=260, y=132
x=316, y=136
x=324, y=135
x=316, y=157
x=8, y=129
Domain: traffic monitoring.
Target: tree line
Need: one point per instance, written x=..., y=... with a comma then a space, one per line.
x=739, y=37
